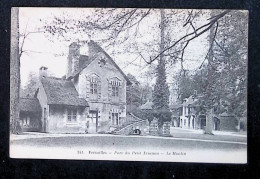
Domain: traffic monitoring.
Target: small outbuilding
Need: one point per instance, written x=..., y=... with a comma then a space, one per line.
x=30, y=114
x=226, y=122
x=147, y=106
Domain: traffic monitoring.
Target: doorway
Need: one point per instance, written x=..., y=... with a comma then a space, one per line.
x=93, y=114
x=202, y=121
x=115, y=119
x=216, y=124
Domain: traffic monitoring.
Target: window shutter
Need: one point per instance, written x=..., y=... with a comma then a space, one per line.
x=87, y=87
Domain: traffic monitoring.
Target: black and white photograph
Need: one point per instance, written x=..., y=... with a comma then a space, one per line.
x=129, y=84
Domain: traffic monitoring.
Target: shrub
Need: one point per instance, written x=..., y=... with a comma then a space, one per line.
x=163, y=115
x=144, y=114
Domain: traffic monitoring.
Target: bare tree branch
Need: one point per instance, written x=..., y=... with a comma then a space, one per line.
x=211, y=45
x=21, y=48
x=113, y=23
x=206, y=26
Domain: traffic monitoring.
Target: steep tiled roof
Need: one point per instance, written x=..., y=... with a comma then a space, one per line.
x=226, y=114
x=190, y=101
x=147, y=106
x=60, y=91
x=83, y=65
x=30, y=105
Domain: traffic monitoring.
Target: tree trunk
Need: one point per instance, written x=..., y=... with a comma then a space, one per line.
x=209, y=122
x=14, y=73
x=162, y=35
x=209, y=116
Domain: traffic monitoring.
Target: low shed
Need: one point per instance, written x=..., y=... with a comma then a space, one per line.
x=228, y=122
x=30, y=114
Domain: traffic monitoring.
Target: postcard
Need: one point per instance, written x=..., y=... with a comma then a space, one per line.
x=129, y=84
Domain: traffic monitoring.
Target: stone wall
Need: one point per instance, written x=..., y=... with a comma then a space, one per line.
x=228, y=123
x=154, y=128
x=142, y=125
x=58, y=121
x=166, y=129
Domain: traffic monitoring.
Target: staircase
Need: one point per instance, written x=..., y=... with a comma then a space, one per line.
x=132, y=122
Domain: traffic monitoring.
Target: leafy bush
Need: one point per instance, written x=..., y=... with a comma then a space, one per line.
x=143, y=114
x=162, y=115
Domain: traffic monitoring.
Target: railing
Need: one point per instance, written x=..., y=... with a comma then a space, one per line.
x=129, y=124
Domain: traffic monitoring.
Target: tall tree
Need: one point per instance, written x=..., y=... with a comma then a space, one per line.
x=31, y=85
x=161, y=90
x=133, y=93
x=14, y=72
x=221, y=82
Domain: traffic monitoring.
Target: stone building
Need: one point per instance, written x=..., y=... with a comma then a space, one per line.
x=189, y=116
x=90, y=98
x=192, y=118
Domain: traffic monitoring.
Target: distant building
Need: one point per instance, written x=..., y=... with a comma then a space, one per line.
x=190, y=118
x=176, y=110
x=226, y=122
x=189, y=115
x=92, y=97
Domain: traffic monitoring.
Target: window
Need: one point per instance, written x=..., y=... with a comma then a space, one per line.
x=93, y=88
x=26, y=121
x=93, y=85
x=115, y=90
x=115, y=120
x=72, y=115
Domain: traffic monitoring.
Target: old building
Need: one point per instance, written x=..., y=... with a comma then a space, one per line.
x=91, y=98
x=226, y=122
x=30, y=114
x=192, y=116
x=176, y=110
x=62, y=110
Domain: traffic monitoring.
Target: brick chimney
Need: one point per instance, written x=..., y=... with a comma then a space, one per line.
x=93, y=49
x=73, y=59
x=43, y=71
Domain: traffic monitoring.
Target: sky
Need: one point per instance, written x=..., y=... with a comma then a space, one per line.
x=40, y=51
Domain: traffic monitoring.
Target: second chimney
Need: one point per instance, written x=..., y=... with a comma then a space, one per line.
x=43, y=72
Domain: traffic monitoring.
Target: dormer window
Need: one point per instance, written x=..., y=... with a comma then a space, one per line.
x=93, y=86
x=115, y=88
x=115, y=91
